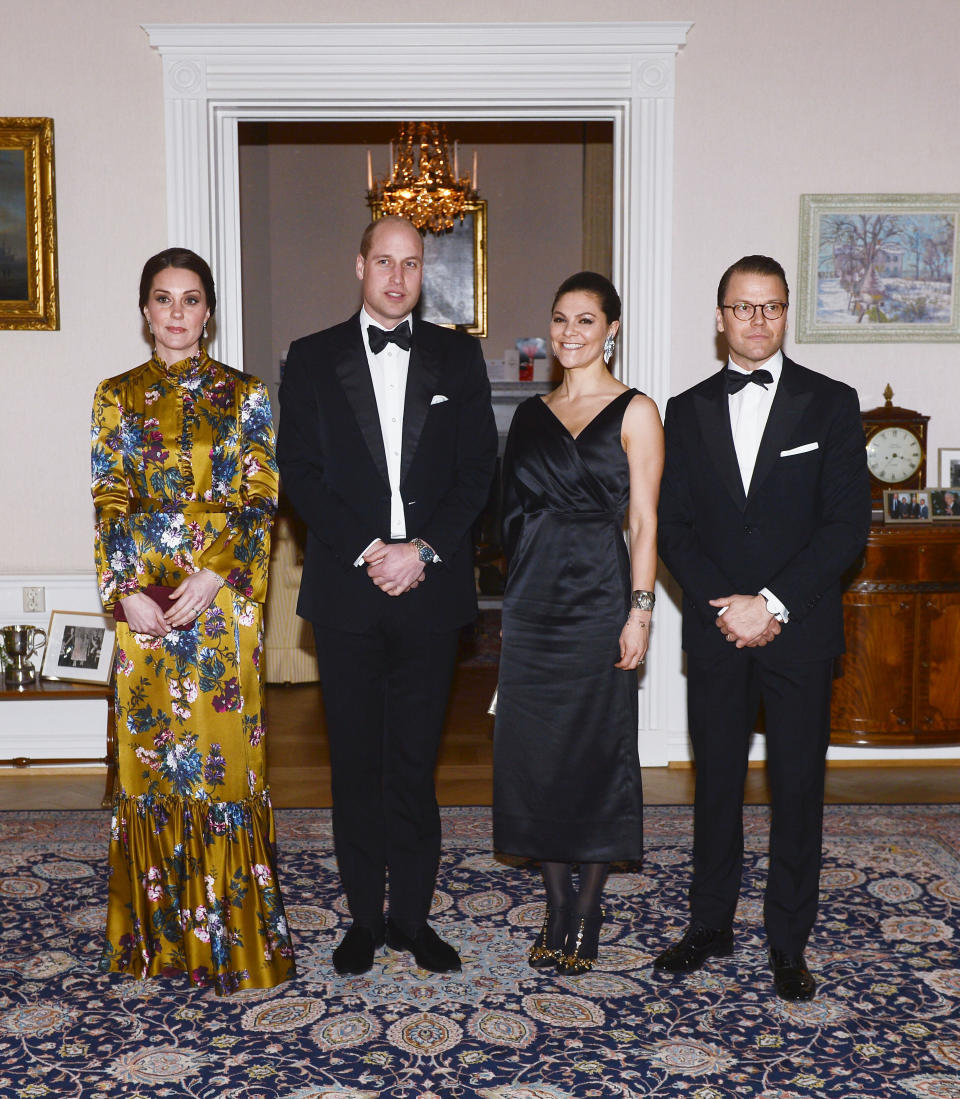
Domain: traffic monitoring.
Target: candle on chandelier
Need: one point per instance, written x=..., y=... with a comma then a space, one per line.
x=474, y=169
x=369, y=171
x=456, y=162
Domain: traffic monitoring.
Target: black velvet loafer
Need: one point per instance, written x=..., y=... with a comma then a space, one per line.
x=354, y=955
x=791, y=978
x=690, y=952
x=426, y=946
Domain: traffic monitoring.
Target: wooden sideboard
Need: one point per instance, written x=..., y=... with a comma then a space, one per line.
x=900, y=682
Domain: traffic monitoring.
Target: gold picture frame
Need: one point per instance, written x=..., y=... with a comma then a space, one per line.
x=454, y=292
x=28, y=226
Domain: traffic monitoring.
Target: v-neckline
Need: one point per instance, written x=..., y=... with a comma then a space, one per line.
x=586, y=427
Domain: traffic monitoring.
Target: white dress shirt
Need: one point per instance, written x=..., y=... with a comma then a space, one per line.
x=749, y=412
x=388, y=372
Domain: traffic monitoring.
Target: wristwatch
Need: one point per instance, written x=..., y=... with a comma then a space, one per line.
x=427, y=556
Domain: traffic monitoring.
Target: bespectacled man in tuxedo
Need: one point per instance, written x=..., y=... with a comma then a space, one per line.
x=764, y=504
x=386, y=446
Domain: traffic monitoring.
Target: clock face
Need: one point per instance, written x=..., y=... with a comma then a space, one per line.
x=893, y=455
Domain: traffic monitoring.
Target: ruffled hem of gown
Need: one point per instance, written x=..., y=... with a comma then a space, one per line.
x=194, y=890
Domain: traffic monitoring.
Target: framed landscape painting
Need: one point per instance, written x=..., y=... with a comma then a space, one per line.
x=28, y=225
x=878, y=268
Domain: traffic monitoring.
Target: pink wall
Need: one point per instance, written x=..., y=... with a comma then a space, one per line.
x=774, y=99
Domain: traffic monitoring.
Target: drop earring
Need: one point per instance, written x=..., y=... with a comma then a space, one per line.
x=608, y=348
x=203, y=332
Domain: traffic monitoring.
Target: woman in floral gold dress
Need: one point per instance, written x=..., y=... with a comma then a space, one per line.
x=185, y=488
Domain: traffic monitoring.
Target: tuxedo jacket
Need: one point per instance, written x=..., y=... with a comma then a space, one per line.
x=800, y=528
x=334, y=469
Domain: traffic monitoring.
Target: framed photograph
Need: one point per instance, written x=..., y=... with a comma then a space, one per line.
x=906, y=507
x=878, y=268
x=944, y=504
x=948, y=459
x=79, y=647
x=454, y=292
x=28, y=225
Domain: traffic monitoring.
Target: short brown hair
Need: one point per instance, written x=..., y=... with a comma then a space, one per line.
x=178, y=257
x=367, y=239
x=751, y=265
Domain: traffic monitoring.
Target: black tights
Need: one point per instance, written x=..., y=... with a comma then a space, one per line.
x=558, y=879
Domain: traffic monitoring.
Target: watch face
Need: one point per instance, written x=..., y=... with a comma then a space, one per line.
x=893, y=455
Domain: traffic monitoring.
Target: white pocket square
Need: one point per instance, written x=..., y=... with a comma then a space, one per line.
x=799, y=450
x=438, y=398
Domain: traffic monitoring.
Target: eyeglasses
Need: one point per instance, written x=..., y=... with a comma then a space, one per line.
x=744, y=310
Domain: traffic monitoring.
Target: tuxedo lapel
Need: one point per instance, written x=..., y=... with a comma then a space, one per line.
x=354, y=375
x=713, y=415
x=787, y=408
x=423, y=378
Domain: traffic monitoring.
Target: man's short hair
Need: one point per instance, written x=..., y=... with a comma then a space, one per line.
x=367, y=239
x=751, y=265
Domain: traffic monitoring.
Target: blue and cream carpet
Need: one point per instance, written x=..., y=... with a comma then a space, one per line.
x=886, y=1020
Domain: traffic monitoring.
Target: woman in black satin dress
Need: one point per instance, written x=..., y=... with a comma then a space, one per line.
x=576, y=622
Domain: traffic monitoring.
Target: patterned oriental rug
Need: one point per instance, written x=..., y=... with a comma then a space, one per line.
x=885, y=1023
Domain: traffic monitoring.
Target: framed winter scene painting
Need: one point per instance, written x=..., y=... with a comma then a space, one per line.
x=878, y=268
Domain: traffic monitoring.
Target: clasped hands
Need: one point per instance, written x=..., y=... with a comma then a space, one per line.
x=192, y=596
x=746, y=620
x=395, y=567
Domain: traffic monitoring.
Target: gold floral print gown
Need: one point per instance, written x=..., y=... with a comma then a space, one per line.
x=184, y=478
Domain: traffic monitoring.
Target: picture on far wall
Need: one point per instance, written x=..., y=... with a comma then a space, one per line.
x=454, y=292
x=878, y=268
x=28, y=225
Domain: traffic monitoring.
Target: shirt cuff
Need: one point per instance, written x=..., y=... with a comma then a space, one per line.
x=360, y=560
x=774, y=606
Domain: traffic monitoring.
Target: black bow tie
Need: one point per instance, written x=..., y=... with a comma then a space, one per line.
x=379, y=339
x=735, y=381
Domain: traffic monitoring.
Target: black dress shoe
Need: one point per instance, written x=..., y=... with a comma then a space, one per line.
x=427, y=948
x=791, y=978
x=698, y=944
x=355, y=953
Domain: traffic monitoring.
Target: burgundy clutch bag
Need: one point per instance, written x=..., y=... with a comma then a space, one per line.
x=160, y=595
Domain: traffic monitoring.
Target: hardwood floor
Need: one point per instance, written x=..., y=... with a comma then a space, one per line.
x=299, y=763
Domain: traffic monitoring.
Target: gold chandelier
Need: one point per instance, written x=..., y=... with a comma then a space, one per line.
x=422, y=186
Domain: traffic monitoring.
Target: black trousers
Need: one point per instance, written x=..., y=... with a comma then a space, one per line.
x=385, y=695
x=723, y=697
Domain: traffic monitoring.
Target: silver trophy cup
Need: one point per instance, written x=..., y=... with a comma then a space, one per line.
x=19, y=644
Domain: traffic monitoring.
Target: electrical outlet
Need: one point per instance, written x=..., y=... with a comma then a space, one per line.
x=33, y=600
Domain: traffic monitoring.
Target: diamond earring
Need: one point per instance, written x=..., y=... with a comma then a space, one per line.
x=608, y=348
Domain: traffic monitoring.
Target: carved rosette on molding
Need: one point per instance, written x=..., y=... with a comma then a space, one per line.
x=185, y=78
x=654, y=77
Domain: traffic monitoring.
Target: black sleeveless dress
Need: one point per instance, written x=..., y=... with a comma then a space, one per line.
x=567, y=783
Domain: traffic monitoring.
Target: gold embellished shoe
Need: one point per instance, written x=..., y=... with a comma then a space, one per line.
x=583, y=939
x=547, y=949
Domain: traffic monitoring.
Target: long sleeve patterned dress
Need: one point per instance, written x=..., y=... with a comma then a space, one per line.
x=184, y=478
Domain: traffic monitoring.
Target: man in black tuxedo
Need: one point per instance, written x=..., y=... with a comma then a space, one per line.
x=764, y=504
x=386, y=446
